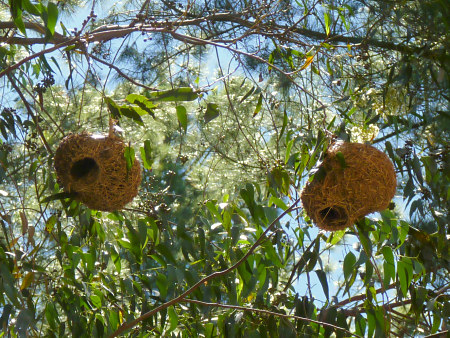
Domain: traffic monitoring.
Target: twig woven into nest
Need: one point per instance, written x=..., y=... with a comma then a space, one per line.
x=94, y=167
x=355, y=180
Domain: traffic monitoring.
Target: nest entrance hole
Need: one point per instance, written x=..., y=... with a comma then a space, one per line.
x=86, y=169
x=334, y=216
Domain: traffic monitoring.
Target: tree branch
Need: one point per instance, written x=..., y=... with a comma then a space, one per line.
x=270, y=313
x=270, y=29
x=387, y=307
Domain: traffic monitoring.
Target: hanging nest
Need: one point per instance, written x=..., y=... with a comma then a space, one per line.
x=353, y=180
x=94, y=168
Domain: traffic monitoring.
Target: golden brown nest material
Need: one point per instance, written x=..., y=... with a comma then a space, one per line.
x=353, y=180
x=94, y=167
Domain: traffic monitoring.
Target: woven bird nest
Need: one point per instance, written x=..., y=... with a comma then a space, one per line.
x=353, y=180
x=94, y=167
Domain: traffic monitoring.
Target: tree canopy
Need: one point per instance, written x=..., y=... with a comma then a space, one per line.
x=230, y=108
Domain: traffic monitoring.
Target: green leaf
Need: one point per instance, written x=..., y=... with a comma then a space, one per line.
x=365, y=241
x=173, y=319
x=288, y=150
x=258, y=105
x=51, y=221
x=182, y=117
x=129, y=157
x=52, y=316
x=59, y=196
x=31, y=8
x=323, y=281
x=9, y=285
x=405, y=273
x=113, y=108
x=177, y=94
x=96, y=301
x=52, y=18
x=250, y=92
x=130, y=112
x=146, y=155
x=19, y=23
x=143, y=103
x=166, y=253
x=360, y=325
x=417, y=168
x=327, y=22
x=209, y=330
x=403, y=230
x=161, y=283
x=116, y=259
x=283, y=128
x=337, y=236
x=388, y=265
x=212, y=111
x=278, y=202
x=349, y=263
x=24, y=320
x=341, y=160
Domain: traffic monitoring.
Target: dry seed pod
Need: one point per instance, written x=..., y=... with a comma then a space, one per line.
x=356, y=180
x=94, y=167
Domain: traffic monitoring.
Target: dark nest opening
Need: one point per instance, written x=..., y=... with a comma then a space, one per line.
x=85, y=168
x=335, y=216
x=356, y=180
x=94, y=167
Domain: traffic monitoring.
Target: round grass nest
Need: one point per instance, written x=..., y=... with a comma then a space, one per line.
x=95, y=169
x=352, y=181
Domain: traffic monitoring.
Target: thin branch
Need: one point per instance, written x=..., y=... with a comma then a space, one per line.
x=35, y=55
x=30, y=111
x=270, y=313
x=363, y=296
x=119, y=71
x=442, y=334
x=387, y=307
x=129, y=325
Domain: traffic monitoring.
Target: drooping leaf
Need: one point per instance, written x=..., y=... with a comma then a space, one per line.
x=96, y=301
x=323, y=281
x=349, y=263
x=175, y=95
x=308, y=61
x=388, y=265
x=360, y=325
x=27, y=280
x=25, y=319
x=258, y=105
x=131, y=113
x=250, y=92
x=341, y=160
x=52, y=12
x=182, y=117
x=52, y=316
x=327, y=22
x=146, y=155
x=212, y=111
x=143, y=103
x=173, y=319
x=129, y=157
x=405, y=273
x=31, y=8
x=113, y=108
